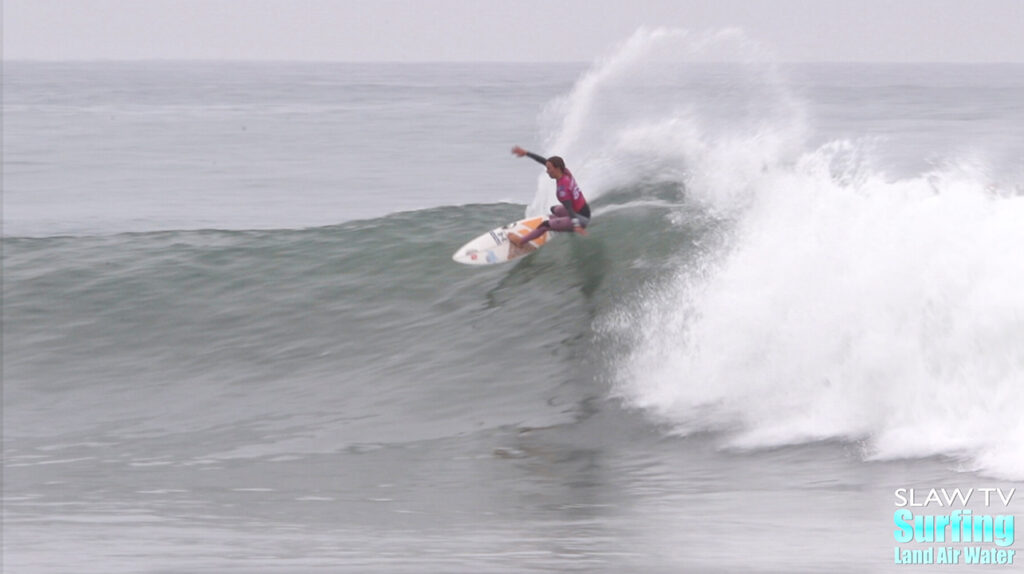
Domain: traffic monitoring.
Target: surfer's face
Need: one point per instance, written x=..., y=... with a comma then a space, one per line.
x=553, y=172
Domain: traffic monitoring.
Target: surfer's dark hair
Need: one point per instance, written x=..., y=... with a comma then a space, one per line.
x=557, y=162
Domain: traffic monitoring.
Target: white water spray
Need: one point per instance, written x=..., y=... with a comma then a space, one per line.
x=846, y=304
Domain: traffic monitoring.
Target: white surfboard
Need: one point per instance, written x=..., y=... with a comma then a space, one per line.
x=494, y=247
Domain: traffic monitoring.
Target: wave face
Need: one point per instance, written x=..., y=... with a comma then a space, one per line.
x=748, y=273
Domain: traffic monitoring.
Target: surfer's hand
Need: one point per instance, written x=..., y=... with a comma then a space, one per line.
x=520, y=152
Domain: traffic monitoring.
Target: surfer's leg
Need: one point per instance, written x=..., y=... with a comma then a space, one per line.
x=561, y=221
x=560, y=224
x=565, y=223
x=529, y=236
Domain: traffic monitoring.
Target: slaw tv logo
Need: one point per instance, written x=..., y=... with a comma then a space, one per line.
x=954, y=526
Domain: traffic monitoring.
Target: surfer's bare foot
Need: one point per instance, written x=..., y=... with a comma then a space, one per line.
x=515, y=240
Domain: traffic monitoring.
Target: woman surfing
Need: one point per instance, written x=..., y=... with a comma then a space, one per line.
x=574, y=212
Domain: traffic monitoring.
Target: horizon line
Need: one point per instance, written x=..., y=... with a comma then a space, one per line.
x=6, y=60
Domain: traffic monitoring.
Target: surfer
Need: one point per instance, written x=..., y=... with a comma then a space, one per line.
x=574, y=212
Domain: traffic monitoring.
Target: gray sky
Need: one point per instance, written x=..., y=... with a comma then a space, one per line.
x=507, y=30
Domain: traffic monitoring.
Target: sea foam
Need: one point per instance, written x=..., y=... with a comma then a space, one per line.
x=843, y=303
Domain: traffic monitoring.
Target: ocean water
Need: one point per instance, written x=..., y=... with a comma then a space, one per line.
x=234, y=339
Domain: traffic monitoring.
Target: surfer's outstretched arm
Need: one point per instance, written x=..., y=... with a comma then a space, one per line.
x=522, y=152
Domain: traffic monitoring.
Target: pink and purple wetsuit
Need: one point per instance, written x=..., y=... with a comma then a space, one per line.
x=574, y=209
